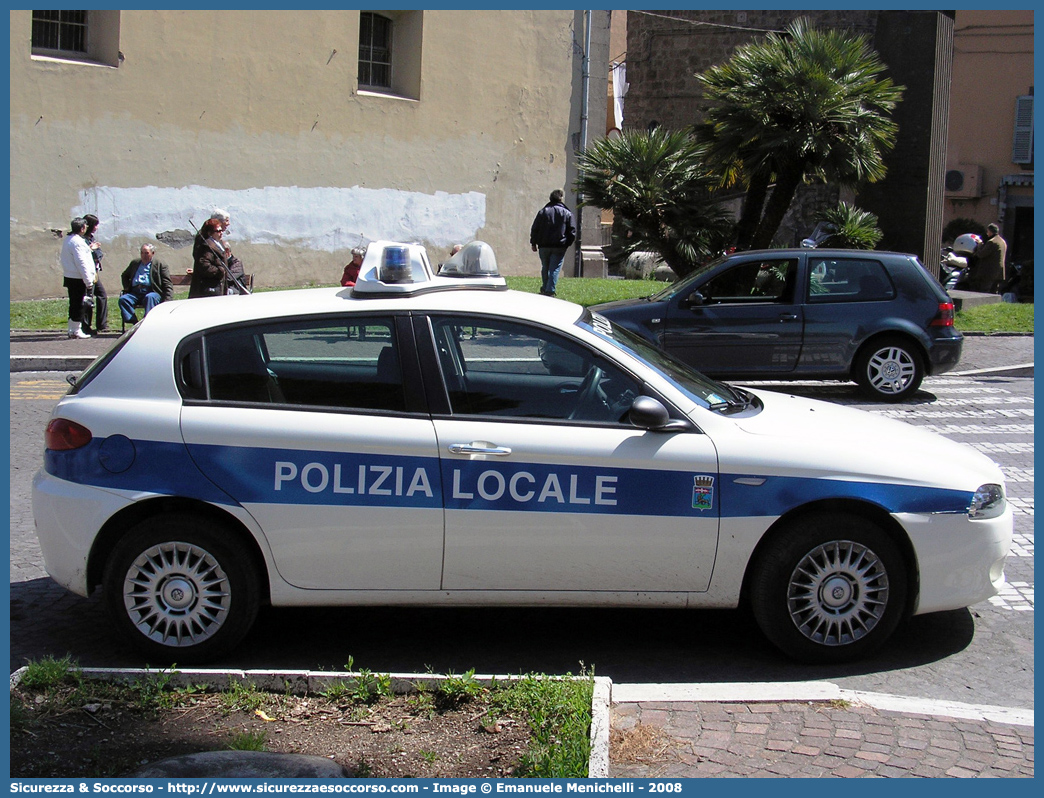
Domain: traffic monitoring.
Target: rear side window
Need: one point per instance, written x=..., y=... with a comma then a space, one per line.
x=352, y=364
x=848, y=280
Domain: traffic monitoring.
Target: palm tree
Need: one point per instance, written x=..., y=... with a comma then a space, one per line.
x=853, y=228
x=802, y=106
x=660, y=189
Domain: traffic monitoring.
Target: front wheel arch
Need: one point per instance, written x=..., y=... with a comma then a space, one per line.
x=861, y=511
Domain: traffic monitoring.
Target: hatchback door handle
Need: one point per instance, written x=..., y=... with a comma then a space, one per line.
x=479, y=448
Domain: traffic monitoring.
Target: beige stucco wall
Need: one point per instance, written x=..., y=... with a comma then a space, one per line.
x=260, y=113
x=992, y=65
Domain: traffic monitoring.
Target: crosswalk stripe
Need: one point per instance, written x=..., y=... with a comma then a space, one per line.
x=1002, y=448
x=987, y=413
x=979, y=429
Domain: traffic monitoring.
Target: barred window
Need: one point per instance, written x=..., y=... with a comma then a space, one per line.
x=375, y=53
x=60, y=31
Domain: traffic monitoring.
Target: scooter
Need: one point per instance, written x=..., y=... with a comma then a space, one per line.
x=952, y=267
x=954, y=261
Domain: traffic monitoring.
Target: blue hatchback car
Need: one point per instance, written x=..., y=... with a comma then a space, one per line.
x=878, y=318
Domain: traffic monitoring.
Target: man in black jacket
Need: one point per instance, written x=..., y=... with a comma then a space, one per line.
x=145, y=282
x=552, y=233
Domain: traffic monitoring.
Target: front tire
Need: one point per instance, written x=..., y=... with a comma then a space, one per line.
x=889, y=369
x=829, y=588
x=182, y=589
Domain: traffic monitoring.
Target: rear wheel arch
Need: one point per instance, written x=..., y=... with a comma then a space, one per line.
x=886, y=338
x=117, y=527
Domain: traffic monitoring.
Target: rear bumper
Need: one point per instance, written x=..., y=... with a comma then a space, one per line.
x=944, y=354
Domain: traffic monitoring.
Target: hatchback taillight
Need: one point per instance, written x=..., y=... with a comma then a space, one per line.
x=944, y=318
x=63, y=435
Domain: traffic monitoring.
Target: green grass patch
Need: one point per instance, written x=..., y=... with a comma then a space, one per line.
x=50, y=672
x=998, y=317
x=51, y=314
x=559, y=715
x=589, y=290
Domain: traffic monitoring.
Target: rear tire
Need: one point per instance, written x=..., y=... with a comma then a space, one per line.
x=829, y=588
x=889, y=369
x=182, y=589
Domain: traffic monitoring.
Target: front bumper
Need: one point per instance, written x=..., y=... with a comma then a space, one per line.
x=960, y=560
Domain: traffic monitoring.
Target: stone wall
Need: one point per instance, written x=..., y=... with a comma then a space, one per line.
x=665, y=50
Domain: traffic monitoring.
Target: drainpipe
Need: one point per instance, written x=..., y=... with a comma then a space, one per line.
x=585, y=86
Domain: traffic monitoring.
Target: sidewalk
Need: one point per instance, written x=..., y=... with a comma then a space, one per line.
x=50, y=350
x=809, y=730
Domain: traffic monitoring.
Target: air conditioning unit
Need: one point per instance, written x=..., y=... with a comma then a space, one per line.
x=965, y=181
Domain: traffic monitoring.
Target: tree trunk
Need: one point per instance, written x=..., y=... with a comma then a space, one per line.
x=750, y=214
x=679, y=265
x=776, y=208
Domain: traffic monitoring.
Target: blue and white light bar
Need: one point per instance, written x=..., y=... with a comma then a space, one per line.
x=392, y=268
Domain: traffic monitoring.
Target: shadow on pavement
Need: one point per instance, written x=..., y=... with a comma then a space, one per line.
x=628, y=645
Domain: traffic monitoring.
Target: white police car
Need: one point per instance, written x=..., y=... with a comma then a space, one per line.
x=439, y=439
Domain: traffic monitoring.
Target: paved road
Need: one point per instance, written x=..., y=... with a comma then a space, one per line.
x=983, y=655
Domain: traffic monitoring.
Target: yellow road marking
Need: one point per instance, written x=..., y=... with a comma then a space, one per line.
x=28, y=390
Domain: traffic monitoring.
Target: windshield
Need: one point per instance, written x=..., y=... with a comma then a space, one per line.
x=697, y=387
x=682, y=286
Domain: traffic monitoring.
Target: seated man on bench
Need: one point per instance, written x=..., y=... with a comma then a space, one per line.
x=146, y=282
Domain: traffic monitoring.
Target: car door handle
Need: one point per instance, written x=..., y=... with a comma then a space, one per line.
x=788, y=317
x=479, y=448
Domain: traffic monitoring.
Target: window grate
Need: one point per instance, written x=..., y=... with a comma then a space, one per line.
x=62, y=31
x=375, y=39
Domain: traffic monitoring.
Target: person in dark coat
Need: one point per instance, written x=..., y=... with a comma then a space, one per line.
x=146, y=282
x=100, y=306
x=989, y=272
x=552, y=233
x=209, y=261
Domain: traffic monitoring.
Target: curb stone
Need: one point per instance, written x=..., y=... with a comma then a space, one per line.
x=813, y=692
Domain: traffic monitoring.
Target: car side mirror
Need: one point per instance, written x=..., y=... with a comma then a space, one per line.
x=694, y=300
x=650, y=414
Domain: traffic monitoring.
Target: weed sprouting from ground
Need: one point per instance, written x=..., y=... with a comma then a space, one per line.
x=248, y=741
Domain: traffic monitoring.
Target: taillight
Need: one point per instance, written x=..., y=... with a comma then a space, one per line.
x=63, y=435
x=944, y=318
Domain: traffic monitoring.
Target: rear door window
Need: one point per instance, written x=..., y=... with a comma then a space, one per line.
x=351, y=364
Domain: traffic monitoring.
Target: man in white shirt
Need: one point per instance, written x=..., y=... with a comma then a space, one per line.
x=79, y=271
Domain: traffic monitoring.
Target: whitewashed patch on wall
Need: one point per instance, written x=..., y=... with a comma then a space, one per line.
x=322, y=218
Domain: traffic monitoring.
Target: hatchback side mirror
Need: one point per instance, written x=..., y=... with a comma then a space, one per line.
x=650, y=414
x=694, y=300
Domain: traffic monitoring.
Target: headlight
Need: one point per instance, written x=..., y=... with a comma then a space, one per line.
x=987, y=502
